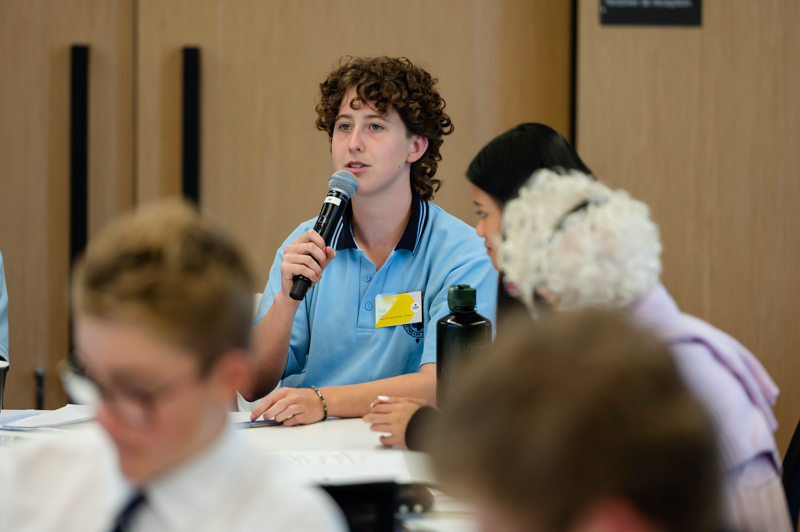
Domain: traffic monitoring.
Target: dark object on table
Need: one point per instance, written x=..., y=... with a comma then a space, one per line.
x=39, y=387
x=414, y=498
x=460, y=336
x=257, y=423
x=367, y=507
x=791, y=477
x=372, y=507
x=3, y=370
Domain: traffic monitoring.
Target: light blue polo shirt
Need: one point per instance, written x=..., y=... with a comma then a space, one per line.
x=334, y=340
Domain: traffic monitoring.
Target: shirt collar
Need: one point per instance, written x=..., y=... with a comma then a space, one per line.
x=343, y=237
x=176, y=496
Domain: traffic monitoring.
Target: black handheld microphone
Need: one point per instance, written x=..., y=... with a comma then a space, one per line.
x=341, y=187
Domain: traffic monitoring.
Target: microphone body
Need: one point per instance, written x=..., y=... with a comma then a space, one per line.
x=341, y=187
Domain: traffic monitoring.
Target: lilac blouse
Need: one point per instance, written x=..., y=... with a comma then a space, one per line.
x=736, y=390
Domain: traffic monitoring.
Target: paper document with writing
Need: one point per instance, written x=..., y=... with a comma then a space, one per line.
x=62, y=416
x=346, y=467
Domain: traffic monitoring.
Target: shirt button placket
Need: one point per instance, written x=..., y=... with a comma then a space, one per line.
x=368, y=273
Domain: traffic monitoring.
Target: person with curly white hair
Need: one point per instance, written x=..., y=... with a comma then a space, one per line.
x=572, y=243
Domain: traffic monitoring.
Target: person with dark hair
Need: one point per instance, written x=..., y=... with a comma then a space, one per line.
x=496, y=174
x=330, y=352
x=506, y=163
x=582, y=423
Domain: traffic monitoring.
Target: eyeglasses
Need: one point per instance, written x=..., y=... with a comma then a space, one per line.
x=133, y=405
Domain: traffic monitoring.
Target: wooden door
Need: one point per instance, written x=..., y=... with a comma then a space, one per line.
x=35, y=41
x=264, y=164
x=703, y=124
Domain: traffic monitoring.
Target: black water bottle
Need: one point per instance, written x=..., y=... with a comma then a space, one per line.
x=460, y=336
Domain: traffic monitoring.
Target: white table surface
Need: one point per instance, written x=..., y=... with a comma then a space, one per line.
x=330, y=435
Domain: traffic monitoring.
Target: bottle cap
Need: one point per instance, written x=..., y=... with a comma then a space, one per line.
x=461, y=298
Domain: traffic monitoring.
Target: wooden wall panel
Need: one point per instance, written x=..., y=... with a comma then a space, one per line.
x=35, y=40
x=264, y=164
x=703, y=124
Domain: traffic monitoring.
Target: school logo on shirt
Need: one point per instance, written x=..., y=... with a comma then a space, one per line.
x=415, y=330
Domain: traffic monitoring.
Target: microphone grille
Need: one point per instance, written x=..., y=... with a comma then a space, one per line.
x=344, y=182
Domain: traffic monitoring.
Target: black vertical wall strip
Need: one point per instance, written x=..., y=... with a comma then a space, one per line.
x=573, y=81
x=78, y=176
x=191, y=123
x=79, y=151
x=39, y=376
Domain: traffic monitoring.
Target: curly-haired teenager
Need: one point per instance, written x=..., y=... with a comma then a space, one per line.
x=386, y=124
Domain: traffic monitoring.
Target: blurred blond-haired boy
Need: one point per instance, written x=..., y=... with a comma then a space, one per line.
x=162, y=307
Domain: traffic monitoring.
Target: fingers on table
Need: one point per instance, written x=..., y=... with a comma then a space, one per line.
x=376, y=418
x=291, y=406
x=387, y=400
x=387, y=408
x=291, y=410
x=298, y=419
x=393, y=440
x=386, y=428
x=264, y=405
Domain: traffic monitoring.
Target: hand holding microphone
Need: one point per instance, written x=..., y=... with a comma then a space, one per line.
x=308, y=255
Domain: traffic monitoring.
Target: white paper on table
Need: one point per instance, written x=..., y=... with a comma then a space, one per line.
x=62, y=416
x=346, y=467
x=10, y=417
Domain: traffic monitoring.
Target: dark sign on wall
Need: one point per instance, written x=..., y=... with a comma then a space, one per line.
x=651, y=12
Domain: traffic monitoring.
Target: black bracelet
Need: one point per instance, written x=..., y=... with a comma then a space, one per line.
x=324, y=404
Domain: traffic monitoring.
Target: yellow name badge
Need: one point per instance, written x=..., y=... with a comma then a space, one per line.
x=398, y=309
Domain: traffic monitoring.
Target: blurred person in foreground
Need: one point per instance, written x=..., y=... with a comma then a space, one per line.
x=572, y=243
x=581, y=424
x=496, y=174
x=162, y=305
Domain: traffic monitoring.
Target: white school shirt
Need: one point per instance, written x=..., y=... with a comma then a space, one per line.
x=72, y=482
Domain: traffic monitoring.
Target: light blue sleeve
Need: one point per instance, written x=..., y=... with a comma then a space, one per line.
x=3, y=313
x=301, y=332
x=477, y=272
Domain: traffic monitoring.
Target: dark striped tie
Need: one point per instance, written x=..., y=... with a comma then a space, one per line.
x=124, y=519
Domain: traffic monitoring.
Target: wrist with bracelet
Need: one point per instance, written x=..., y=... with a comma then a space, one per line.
x=324, y=404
